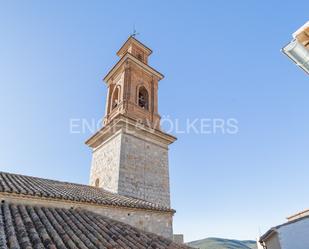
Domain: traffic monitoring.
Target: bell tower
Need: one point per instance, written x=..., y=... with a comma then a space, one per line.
x=130, y=151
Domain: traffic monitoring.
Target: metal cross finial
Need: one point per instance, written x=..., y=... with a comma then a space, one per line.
x=134, y=32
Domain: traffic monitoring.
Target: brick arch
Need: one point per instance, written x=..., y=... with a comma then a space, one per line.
x=142, y=91
x=115, y=97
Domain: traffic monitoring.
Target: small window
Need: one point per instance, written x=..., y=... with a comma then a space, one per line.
x=115, y=99
x=143, y=98
x=97, y=183
x=140, y=57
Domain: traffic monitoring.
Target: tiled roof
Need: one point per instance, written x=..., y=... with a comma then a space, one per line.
x=39, y=187
x=23, y=226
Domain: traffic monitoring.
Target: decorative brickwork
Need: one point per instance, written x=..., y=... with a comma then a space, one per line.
x=130, y=152
x=128, y=159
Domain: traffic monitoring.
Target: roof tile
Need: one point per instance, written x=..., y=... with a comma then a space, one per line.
x=34, y=186
x=35, y=227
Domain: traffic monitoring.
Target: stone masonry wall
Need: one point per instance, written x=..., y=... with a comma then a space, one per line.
x=132, y=166
x=105, y=164
x=144, y=170
x=155, y=222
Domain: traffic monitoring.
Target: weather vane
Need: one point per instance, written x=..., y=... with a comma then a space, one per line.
x=134, y=33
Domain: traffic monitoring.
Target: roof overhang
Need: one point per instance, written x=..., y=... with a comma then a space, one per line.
x=130, y=57
x=297, y=53
x=132, y=40
x=271, y=232
x=129, y=126
x=65, y=203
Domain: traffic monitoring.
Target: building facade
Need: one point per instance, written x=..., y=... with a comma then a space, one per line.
x=127, y=204
x=294, y=234
x=298, y=49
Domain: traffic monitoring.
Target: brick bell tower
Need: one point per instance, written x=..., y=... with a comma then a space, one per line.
x=130, y=151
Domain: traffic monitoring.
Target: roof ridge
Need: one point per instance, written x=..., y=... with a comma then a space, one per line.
x=43, y=178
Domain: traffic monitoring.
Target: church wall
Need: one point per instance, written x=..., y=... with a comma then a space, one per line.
x=155, y=222
x=144, y=170
x=105, y=164
x=134, y=166
x=151, y=221
x=134, y=162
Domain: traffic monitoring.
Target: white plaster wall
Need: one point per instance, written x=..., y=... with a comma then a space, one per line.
x=295, y=235
x=273, y=242
x=258, y=244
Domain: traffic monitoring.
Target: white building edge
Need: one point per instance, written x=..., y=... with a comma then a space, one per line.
x=293, y=234
x=298, y=50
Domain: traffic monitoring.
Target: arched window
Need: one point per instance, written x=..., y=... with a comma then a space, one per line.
x=140, y=57
x=143, y=98
x=115, y=97
x=97, y=183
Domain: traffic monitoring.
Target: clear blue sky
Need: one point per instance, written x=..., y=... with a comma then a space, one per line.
x=220, y=58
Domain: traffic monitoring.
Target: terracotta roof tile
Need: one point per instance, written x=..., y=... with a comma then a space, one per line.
x=34, y=186
x=24, y=226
